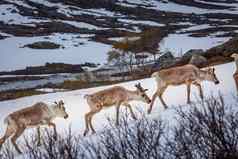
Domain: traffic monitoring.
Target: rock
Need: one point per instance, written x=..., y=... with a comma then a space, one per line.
x=198, y=60
x=226, y=49
x=190, y=53
x=43, y=45
x=166, y=56
x=164, y=61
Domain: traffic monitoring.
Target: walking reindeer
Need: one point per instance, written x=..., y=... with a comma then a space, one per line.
x=187, y=74
x=235, y=75
x=34, y=116
x=113, y=96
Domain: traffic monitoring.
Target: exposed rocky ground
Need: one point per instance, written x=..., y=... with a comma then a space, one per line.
x=114, y=18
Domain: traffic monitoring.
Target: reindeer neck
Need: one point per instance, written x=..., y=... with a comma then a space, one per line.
x=236, y=61
x=51, y=111
x=202, y=75
x=132, y=95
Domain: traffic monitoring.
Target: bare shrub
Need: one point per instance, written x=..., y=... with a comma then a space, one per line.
x=139, y=140
x=208, y=130
x=204, y=130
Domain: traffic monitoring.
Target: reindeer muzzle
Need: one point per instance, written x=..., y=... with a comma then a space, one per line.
x=66, y=116
x=217, y=82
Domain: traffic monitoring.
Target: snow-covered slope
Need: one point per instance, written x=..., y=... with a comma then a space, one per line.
x=76, y=105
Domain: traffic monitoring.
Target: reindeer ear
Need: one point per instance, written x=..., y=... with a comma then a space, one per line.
x=145, y=90
x=56, y=103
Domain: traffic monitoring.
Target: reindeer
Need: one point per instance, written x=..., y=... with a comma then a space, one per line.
x=187, y=74
x=34, y=116
x=113, y=96
x=235, y=75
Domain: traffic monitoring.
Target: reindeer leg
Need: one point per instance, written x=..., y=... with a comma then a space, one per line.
x=55, y=131
x=160, y=96
x=152, y=102
x=38, y=136
x=198, y=85
x=188, y=93
x=91, y=116
x=131, y=111
x=86, y=123
x=10, y=130
x=117, y=113
x=18, y=133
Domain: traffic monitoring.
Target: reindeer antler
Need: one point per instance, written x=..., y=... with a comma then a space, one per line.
x=140, y=88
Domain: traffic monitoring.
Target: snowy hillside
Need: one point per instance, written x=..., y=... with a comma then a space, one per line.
x=76, y=105
x=81, y=26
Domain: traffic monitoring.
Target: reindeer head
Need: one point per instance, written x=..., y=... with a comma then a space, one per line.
x=59, y=110
x=235, y=56
x=211, y=76
x=142, y=95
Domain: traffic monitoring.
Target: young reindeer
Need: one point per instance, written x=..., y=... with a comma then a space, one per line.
x=113, y=96
x=34, y=116
x=187, y=74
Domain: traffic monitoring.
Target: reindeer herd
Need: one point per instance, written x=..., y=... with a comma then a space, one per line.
x=42, y=114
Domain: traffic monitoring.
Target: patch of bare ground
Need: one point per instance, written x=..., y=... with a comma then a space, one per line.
x=200, y=4
x=14, y=94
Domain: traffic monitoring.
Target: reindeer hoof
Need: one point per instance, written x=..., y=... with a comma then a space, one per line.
x=85, y=133
x=38, y=144
x=149, y=111
x=55, y=137
x=19, y=152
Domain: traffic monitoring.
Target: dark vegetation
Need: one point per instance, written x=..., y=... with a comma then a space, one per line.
x=43, y=45
x=48, y=68
x=204, y=130
x=13, y=94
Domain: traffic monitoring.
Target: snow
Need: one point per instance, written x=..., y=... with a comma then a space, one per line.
x=9, y=15
x=197, y=27
x=173, y=7
x=50, y=90
x=82, y=25
x=144, y=22
x=76, y=105
x=104, y=12
x=123, y=38
x=181, y=43
x=13, y=57
x=21, y=3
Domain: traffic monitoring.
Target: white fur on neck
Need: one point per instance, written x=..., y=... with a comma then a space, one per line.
x=202, y=75
x=52, y=111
